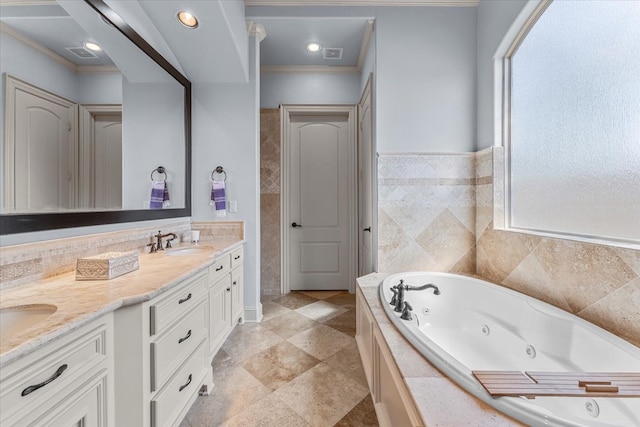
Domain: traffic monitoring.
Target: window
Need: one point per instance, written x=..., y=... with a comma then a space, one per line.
x=571, y=121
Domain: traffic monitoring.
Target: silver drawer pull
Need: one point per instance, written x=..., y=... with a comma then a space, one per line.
x=220, y=268
x=186, y=337
x=185, y=299
x=182, y=387
x=33, y=388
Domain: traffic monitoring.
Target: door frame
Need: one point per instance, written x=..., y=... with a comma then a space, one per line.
x=86, y=153
x=286, y=112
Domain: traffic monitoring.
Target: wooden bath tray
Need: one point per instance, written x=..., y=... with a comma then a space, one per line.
x=585, y=384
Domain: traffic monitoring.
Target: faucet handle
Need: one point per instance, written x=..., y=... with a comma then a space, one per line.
x=168, y=245
x=394, y=298
x=153, y=249
x=406, y=312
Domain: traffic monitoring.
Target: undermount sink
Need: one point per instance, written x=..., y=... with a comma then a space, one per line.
x=184, y=251
x=16, y=319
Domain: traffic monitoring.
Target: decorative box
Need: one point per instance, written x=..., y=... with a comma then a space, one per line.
x=106, y=266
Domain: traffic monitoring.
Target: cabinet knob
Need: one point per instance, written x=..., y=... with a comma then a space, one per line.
x=228, y=289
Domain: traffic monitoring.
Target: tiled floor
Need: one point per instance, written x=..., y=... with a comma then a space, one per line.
x=299, y=367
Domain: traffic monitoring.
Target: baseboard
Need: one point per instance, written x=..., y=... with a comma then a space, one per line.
x=253, y=314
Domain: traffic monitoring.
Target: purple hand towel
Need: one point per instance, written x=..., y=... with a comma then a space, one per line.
x=157, y=194
x=218, y=197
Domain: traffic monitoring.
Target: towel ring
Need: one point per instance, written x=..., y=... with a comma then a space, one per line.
x=219, y=170
x=159, y=169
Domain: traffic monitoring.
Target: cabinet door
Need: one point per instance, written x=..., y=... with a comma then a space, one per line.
x=85, y=407
x=237, y=289
x=219, y=312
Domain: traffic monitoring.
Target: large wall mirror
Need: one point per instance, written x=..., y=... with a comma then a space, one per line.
x=85, y=131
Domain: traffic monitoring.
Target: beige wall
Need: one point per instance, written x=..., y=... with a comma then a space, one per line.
x=270, y=201
x=436, y=213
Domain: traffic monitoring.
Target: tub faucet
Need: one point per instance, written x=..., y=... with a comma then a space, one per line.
x=399, y=290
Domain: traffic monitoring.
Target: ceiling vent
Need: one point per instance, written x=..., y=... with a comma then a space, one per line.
x=332, y=53
x=81, y=52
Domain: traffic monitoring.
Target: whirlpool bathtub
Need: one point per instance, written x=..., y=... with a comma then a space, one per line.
x=473, y=325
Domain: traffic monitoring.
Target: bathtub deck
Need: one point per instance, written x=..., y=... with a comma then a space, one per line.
x=585, y=384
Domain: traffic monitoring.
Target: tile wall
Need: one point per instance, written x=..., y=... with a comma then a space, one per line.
x=20, y=264
x=426, y=212
x=596, y=282
x=270, y=201
x=436, y=212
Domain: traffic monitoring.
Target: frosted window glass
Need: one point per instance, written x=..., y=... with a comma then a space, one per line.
x=574, y=151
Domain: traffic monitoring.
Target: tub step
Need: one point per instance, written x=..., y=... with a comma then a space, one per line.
x=587, y=384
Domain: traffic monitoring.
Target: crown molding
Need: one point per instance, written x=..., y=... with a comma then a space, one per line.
x=6, y=29
x=308, y=69
x=449, y=3
x=366, y=39
x=257, y=30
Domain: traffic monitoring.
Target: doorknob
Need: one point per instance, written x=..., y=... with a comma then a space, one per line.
x=367, y=229
x=294, y=225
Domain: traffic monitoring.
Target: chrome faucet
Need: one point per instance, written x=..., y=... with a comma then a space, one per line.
x=399, y=290
x=159, y=238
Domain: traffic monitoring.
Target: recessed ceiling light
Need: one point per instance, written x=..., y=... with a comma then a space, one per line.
x=92, y=46
x=313, y=47
x=188, y=20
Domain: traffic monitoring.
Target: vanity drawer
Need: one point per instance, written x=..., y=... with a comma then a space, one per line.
x=221, y=267
x=181, y=390
x=236, y=258
x=170, y=350
x=179, y=302
x=46, y=374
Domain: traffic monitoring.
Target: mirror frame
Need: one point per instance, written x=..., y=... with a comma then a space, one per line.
x=22, y=223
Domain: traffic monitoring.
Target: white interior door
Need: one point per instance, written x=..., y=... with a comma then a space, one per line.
x=41, y=168
x=320, y=202
x=365, y=183
x=107, y=128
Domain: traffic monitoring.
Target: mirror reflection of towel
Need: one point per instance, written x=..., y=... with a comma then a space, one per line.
x=159, y=195
x=219, y=198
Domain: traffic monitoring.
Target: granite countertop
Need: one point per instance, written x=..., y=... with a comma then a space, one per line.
x=440, y=401
x=79, y=302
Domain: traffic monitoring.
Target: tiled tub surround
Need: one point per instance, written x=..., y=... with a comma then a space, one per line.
x=26, y=263
x=426, y=212
x=270, y=201
x=598, y=283
x=439, y=400
x=79, y=302
x=436, y=213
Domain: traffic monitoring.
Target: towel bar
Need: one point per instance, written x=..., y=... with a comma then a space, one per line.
x=159, y=169
x=219, y=170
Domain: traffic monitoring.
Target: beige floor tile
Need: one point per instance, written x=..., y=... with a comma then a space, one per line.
x=294, y=300
x=363, y=415
x=268, y=412
x=249, y=339
x=320, y=311
x=271, y=309
x=235, y=389
x=321, y=294
x=322, y=396
x=343, y=299
x=344, y=322
x=321, y=341
x=289, y=324
x=349, y=363
x=279, y=364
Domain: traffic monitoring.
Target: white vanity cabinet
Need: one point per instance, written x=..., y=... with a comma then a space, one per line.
x=68, y=382
x=225, y=297
x=162, y=355
x=393, y=403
